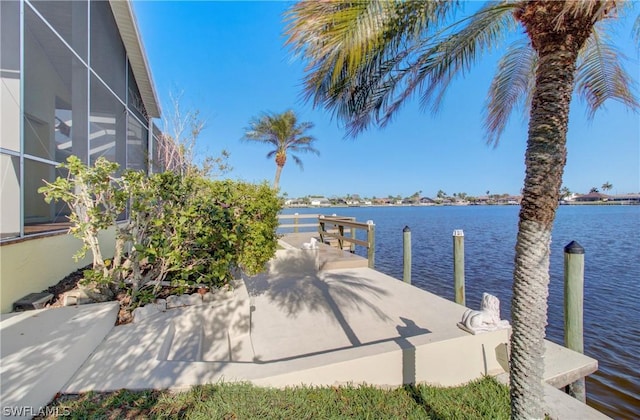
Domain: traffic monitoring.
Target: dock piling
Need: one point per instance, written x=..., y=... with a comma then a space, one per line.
x=406, y=242
x=573, y=309
x=371, y=240
x=295, y=222
x=458, y=266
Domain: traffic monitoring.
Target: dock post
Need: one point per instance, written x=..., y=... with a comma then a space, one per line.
x=458, y=266
x=321, y=227
x=406, y=242
x=371, y=240
x=352, y=246
x=295, y=222
x=573, y=309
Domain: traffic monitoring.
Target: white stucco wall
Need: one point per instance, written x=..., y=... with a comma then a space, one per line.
x=35, y=264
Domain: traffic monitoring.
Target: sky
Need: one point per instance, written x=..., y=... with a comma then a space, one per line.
x=228, y=60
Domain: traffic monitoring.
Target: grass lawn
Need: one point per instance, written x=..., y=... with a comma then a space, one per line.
x=481, y=399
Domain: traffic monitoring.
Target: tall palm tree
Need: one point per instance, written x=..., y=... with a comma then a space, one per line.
x=607, y=186
x=285, y=134
x=365, y=59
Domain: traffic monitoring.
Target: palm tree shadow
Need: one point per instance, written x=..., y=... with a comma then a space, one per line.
x=294, y=285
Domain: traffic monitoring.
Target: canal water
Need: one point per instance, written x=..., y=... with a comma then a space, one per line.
x=610, y=236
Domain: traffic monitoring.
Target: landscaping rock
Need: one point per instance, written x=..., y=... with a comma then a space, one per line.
x=76, y=297
x=183, y=300
x=194, y=299
x=161, y=304
x=148, y=310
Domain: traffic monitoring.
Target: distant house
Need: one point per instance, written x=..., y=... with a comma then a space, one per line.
x=295, y=202
x=571, y=197
x=320, y=202
x=426, y=201
x=483, y=199
x=625, y=198
x=592, y=196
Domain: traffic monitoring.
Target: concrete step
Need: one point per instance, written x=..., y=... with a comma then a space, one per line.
x=215, y=331
x=562, y=406
x=42, y=349
x=563, y=366
x=186, y=342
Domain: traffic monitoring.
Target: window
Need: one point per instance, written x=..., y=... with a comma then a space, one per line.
x=38, y=215
x=55, y=95
x=137, y=136
x=107, y=125
x=69, y=19
x=108, y=56
x=157, y=163
x=9, y=196
x=10, y=75
x=134, y=99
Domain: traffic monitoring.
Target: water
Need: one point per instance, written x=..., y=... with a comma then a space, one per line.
x=610, y=236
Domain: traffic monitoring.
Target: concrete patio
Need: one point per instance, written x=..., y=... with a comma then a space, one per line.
x=298, y=323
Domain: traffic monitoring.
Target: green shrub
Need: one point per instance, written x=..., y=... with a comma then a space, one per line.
x=186, y=229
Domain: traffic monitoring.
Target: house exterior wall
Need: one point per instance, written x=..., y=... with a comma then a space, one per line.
x=67, y=88
x=31, y=266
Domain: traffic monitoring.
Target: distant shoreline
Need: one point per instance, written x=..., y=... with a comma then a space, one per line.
x=564, y=203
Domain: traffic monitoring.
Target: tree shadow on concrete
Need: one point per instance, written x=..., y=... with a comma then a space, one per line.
x=294, y=285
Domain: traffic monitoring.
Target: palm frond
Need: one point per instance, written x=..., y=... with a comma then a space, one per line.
x=601, y=76
x=444, y=58
x=344, y=42
x=511, y=87
x=298, y=161
x=636, y=31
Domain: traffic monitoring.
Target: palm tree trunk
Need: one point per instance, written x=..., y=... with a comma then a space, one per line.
x=545, y=159
x=276, y=181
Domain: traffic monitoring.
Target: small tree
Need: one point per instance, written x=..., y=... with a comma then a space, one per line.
x=96, y=199
x=176, y=146
x=285, y=134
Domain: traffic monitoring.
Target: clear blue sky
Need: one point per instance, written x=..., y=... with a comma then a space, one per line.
x=229, y=60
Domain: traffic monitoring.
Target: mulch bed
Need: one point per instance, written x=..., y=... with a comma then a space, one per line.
x=70, y=282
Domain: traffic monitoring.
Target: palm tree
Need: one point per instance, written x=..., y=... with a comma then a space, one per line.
x=365, y=59
x=606, y=186
x=284, y=133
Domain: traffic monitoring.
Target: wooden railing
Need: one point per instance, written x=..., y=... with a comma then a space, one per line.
x=340, y=229
x=295, y=222
x=334, y=227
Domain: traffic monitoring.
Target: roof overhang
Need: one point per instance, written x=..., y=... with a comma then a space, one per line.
x=135, y=51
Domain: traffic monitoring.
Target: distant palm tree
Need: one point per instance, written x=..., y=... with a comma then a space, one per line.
x=594, y=190
x=365, y=59
x=607, y=186
x=285, y=134
x=565, y=192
